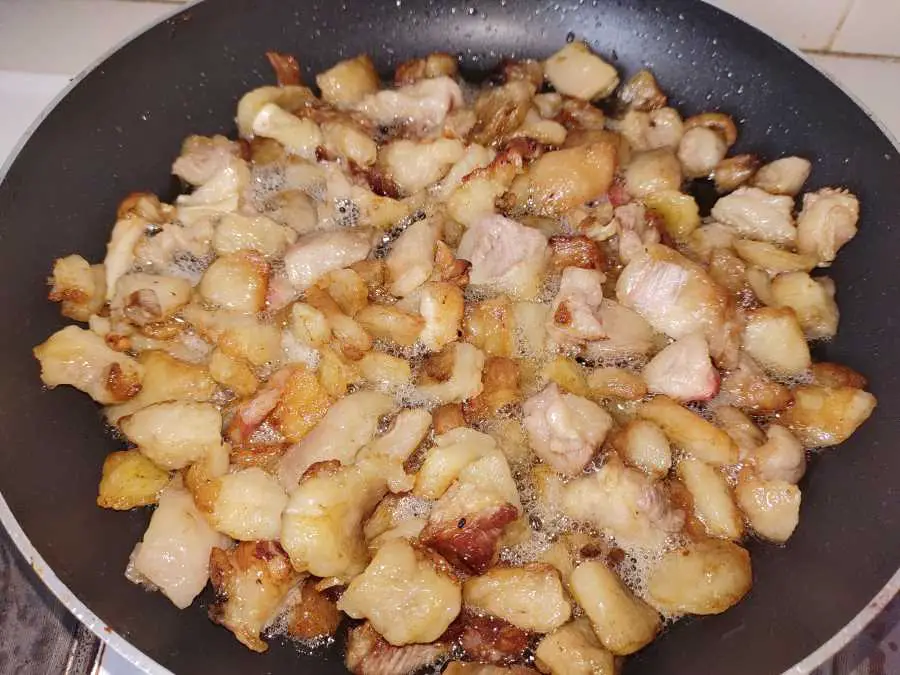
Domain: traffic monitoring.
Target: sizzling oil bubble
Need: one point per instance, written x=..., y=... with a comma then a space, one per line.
x=410, y=506
x=301, y=176
x=383, y=248
x=266, y=434
x=703, y=409
x=347, y=213
x=306, y=647
x=635, y=567
x=528, y=551
x=793, y=381
x=188, y=267
x=295, y=351
x=266, y=181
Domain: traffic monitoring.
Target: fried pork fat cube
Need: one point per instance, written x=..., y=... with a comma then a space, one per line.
x=315, y=255
x=677, y=297
x=406, y=594
x=165, y=379
x=347, y=426
x=489, y=639
x=423, y=104
x=643, y=445
x=505, y=256
x=564, y=430
x=683, y=370
x=81, y=358
x=174, y=553
x=175, y=434
x=130, y=479
x=562, y=180
x=772, y=507
x=476, y=497
x=703, y=578
x=574, y=649
x=79, y=286
x=576, y=71
x=711, y=495
x=246, y=505
x=575, y=314
x=452, y=376
x=322, y=525
x=251, y=582
x=621, y=621
x=367, y=653
x=310, y=614
x=530, y=597
x=623, y=502
x=826, y=416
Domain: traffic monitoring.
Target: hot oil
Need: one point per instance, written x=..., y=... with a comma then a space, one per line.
x=383, y=248
x=266, y=434
x=475, y=294
x=633, y=363
x=186, y=266
x=637, y=564
x=793, y=381
x=410, y=506
x=528, y=551
x=280, y=629
x=297, y=352
x=549, y=289
x=703, y=409
x=266, y=181
x=311, y=647
x=347, y=213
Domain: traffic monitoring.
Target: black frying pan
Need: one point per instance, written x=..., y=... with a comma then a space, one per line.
x=118, y=130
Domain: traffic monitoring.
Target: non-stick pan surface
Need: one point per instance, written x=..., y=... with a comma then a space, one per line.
x=119, y=129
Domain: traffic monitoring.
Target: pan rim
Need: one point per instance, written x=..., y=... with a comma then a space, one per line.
x=148, y=665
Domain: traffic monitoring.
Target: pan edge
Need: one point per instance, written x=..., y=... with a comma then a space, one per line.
x=9, y=521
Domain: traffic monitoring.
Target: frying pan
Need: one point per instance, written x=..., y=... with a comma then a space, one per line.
x=118, y=130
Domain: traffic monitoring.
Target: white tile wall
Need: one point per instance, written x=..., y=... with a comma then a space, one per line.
x=22, y=98
x=807, y=24
x=855, y=26
x=871, y=27
x=83, y=29
x=73, y=33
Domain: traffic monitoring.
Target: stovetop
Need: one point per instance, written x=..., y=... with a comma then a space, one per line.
x=38, y=634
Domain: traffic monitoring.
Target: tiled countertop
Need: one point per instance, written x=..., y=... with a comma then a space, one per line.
x=855, y=41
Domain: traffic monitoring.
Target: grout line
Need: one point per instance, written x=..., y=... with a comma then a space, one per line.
x=840, y=24
x=886, y=58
